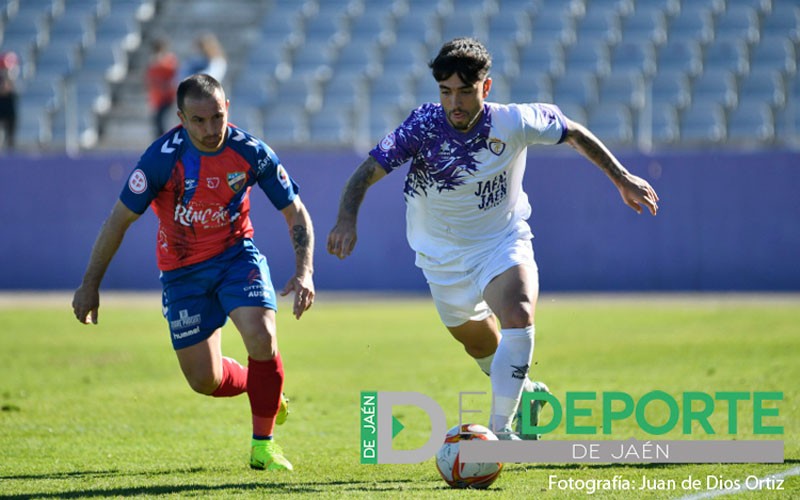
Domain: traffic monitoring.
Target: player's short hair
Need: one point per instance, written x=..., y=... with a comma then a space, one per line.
x=466, y=57
x=199, y=86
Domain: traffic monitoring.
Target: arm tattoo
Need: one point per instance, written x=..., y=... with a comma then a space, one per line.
x=300, y=239
x=357, y=187
x=593, y=149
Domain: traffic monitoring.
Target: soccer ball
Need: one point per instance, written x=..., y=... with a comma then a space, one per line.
x=460, y=475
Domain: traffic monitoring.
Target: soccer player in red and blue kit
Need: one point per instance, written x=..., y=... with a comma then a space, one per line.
x=197, y=178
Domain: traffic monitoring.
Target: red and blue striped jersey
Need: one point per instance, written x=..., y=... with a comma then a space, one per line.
x=202, y=200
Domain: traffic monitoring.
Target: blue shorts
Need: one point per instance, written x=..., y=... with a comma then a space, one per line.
x=198, y=298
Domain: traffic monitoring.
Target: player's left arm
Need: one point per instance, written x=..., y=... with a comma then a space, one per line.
x=301, y=233
x=634, y=190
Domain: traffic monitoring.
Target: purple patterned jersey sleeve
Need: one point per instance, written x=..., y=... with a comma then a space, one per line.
x=402, y=144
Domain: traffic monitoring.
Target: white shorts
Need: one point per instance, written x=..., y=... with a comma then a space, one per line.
x=459, y=295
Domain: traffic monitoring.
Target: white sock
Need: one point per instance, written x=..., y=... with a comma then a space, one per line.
x=485, y=364
x=509, y=373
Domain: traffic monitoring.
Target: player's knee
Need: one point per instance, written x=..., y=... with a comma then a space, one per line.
x=263, y=347
x=518, y=315
x=203, y=383
x=480, y=350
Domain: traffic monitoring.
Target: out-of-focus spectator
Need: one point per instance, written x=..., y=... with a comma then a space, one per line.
x=162, y=71
x=210, y=58
x=9, y=70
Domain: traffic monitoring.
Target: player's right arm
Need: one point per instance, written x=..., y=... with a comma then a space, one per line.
x=86, y=300
x=343, y=236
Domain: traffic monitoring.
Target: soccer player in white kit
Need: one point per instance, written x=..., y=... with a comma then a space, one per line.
x=466, y=213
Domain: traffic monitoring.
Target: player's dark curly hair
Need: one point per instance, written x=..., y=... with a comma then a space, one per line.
x=199, y=86
x=466, y=57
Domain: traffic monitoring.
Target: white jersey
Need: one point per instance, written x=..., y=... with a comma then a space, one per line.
x=463, y=191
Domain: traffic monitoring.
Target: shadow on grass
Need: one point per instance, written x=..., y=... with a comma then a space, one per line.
x=272, y=487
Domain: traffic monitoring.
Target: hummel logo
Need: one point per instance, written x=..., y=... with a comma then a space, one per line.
x=519, y=372
x=176, y=140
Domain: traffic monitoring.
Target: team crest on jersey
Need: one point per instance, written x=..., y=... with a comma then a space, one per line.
x=236, y=181
x=388, y=142
x=496, y=146
x=137, y=182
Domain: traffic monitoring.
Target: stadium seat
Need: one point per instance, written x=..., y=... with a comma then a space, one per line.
x=553, y=25
x=644, y=26
x=783, y=19
x=726, y=54
x=332, y=125
x=612, y=123
x=600, y=24
x=285, y=123
x=467, y=22
x=578, y=88
x=664, y=124
x=680, y=55
x=587, y=56
x=737, y=23
x=765, y=87
x=775, y=51
x=633, y=57
x=702, y=123
x=531, y=87
x=715, y=86
x=670, y=87
x=545, y=56
x=625, y=88
x=691, y=25
x=751, y=123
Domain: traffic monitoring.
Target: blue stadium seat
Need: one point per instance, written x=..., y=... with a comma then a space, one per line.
x=763, y=87
x=715, y=86
x=671, y=87
x=332, y=125
x=664, y=123
x=726, y=54
x=751, y=123
x=460, y=23
x=600, y=24
x=509, y=24
x=775, y=51
x=738, y=23
x=702, y=123
x=612, y=123
x=622, y=88
x=577, y=88
x=783, y=19
x=695, y=25
x=545, y=56
x=645, y=26
x=531, y=87
x=285, y=123
x=553, y=25
x=588, y=56
x=680, y=55
x=633, y=57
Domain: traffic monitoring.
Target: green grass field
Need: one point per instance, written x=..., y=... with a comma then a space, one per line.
x=103, y=411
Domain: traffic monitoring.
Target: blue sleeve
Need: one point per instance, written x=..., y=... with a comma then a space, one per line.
x=151, y=174
x=273, y=179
